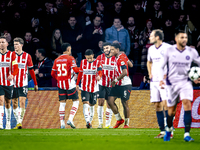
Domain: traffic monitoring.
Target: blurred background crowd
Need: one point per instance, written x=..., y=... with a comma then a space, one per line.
x=86, y=24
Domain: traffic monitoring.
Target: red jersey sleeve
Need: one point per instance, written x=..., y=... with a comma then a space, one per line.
x=81, y=67
x=29, y=61
x=122, y=62
x=73, y=62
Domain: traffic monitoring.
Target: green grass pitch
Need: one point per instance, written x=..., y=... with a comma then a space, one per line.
x=94, y=139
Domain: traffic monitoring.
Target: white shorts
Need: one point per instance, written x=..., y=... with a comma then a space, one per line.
x=176, y=91
x=157, y=94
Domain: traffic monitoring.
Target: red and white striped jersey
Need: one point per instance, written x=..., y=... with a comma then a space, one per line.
x=122, y=60
x=24, y=61
x=90, y=70
x=7, y=61
x=108, y=69
x=63, y=66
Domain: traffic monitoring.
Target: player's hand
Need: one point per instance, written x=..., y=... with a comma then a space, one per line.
x=77, y=88
x=41, y=75
x=161, y=84
x=165, y=76
x=197, y=81
x=10, y=77
x=36, y=88
x=113, y=83
x=36, y=71
x=150, y=76
x=98, y=78
x=95, y=31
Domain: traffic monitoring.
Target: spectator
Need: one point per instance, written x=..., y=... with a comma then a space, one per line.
x=175, y=10
x=144, y=35
x=169, y=31
x=100, y=46
x=118, y=33
x=145, y=83
x=56, y=42
x=10, y=42
x=134, y=32
x=92, y=34
x=72, y=34
x=43, y=69
x=30, y=46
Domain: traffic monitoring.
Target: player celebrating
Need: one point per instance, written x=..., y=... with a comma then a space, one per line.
x=61, y=71
x=108, y=71
x=121, y=86
x=155, y=56
x=24, y=61
x=8, y=69
x=178, y=59
x=90, y=73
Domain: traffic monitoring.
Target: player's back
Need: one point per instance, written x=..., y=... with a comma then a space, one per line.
x=63, y=65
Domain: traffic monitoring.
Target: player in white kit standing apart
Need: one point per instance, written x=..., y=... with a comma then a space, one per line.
x=158, y=95
x=178, y=59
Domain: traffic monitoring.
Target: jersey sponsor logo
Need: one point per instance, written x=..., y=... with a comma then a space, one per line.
x=122, y=63
x=61, y=60
x=180, y=64
x=7, y=58
x=187, y=57
x=4, y=64
x=89, y=72
x=21, y=65
x=106, y=67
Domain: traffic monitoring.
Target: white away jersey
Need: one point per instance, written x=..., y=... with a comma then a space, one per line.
x=155, y=55
x=178, y=63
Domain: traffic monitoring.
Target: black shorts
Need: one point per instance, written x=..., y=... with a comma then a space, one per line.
x=88, y=96
x=20, y=92
x=7, y=91
x=67, y=94
x=122, y=92
x=104, y=92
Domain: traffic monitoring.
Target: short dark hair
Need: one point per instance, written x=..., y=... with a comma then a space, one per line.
x=106, y=44
x=42, y=51
x=18, y=39
x=159, y=33
x=64, y=46
x=89, y=52
x=179, y=31
x=117, y=18
x=97, y=16
x=116, y=45
x=3, y=37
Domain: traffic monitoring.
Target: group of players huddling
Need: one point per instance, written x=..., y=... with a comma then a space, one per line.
x=105, y=77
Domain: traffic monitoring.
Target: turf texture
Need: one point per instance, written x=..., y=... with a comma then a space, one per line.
x=94, y=139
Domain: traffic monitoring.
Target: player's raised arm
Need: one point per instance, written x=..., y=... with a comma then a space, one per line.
x=130, y=64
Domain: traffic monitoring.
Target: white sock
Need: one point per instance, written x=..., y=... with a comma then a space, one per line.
x=22, y=113
x=91, y=113
x=127, y=121
x=62, y=113
x=186, y=134
x=100, y=114
x=165, y=121
x=16, y=114
x=109, y=114
x=73, y=110
x=1, y=114
x=8, y=114
x=86, y=112
x=118, y=117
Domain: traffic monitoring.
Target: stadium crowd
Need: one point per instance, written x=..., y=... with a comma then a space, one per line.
x=86, y=24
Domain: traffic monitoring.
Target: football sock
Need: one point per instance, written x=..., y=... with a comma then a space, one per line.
x=16, y=114
x=62, y=113
x=126, y=121
x=165, y=118
x=118, y=117
x=187, y=120
x=160, y=118
x=100, y=114
x=8, y=114
x=91, y=113
x=109, y=114
x=22, y=113
x=73, y=110
x=1, y=114
x=169, y=121
x=86, y=112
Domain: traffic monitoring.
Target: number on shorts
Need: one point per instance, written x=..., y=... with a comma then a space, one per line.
x=61, y=68
x=25, y=90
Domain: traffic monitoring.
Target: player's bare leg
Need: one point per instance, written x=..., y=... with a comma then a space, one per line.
x=160, y=119
x=113, y=106
x=1, y=111
x=73, y=112
x=8, y=113
x=62, y=113
x=109, y=114
x=100, y=112
x=16, y=111
x=86, y=107
x=126, y=113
